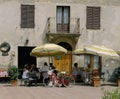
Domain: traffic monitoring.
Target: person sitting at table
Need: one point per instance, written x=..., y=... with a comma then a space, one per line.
x=45, y=67
x=75, y=71
x=51, y=66
x=44, y=70
x=25, y=74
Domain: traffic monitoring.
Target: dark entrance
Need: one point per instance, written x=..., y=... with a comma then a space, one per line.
x=24, y=57
x=65, y=45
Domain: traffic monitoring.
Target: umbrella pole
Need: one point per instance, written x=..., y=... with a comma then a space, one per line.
x=52, y=59
x=49, y=60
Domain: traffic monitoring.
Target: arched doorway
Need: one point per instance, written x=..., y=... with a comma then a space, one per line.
x=65, y=45
x=64, y=62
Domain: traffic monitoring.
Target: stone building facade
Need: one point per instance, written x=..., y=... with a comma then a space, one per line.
x=72, y=24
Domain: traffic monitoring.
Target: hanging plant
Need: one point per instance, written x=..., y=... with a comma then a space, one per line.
x=5, y=48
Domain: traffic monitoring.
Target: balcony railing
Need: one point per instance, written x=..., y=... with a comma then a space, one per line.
x=73, y=26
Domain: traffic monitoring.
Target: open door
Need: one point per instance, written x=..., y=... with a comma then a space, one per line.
x=63, y=62
x=24, y=57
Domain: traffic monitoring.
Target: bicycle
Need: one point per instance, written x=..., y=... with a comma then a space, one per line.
x=62, y=79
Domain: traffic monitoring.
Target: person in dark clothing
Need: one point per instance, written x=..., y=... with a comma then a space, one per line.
x=52, y=67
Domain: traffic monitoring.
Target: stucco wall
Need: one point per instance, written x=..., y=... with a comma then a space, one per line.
x=11, y=32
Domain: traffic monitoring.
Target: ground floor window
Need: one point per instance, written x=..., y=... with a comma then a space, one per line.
x=92, y=62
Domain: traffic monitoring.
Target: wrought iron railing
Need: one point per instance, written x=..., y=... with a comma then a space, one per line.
x=74, y=26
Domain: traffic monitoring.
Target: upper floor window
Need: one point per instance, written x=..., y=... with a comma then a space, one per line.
x=27, y=16
x=93, y=18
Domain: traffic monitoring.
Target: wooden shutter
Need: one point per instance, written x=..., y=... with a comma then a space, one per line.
x=96, y=18
x=23, y=16
x=89, y=18
x=31, y=16
x=93, y=18
x=27, y=16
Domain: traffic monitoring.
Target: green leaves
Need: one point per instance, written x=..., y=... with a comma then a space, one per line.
x=114, y=94
x=13, y=72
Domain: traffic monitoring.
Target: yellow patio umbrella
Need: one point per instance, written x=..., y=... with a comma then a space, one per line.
x=82, y=51
x=118, y=52
x=49, y=49
x=102, y=50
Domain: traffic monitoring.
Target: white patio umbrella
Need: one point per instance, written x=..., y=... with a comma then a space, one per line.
x=102, y=50
x=118, y=52
x=48, y=50
x=82, y=51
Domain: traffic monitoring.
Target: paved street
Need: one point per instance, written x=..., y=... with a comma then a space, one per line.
x=40, y=92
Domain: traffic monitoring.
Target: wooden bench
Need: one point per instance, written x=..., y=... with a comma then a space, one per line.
x=4, y=75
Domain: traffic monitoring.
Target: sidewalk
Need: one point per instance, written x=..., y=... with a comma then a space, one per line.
x=40, y=92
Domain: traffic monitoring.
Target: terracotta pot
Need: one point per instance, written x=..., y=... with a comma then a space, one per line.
x=96, y=82
x=118, y=82
x=14, y=82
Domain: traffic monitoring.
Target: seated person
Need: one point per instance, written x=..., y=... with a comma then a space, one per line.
x=32, y=76
x=75, y=70
x=51, y=66
x=25, y=75
x=45, y=67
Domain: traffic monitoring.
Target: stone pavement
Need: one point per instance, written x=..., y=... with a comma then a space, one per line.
x=40, y=92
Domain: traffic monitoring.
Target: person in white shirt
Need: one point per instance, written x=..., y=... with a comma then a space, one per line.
x=75, y=71
x=45, y=67
x=44, y=70
x=25, y=75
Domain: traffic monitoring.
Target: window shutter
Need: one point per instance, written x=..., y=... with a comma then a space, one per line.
x=96, y=18
x=93, y=18
x=23, y=16
x=31, y=16
x=89, y=18
x=27, y=16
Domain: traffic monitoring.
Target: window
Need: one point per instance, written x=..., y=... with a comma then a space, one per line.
x=27, y=16
x=93, y=62
x=96, y=62
x=63, y=18
x=93, y=18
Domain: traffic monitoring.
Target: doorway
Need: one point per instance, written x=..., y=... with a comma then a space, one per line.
x=63, y=18
x=64, y=62
x=24, y=57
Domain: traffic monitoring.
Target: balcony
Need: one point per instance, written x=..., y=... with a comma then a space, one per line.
x=70, y=29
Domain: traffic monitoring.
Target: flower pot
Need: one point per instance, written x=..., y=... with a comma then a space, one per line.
x=14, y=82
x=118, y=82
x=96, y=81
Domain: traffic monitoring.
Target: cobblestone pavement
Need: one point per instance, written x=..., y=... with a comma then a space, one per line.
x=40, y=92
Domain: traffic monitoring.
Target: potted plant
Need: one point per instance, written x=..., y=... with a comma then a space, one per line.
x=96, y=78
x=13, y=74
x=118, y=80
x=66, y=79
x=118, y=76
